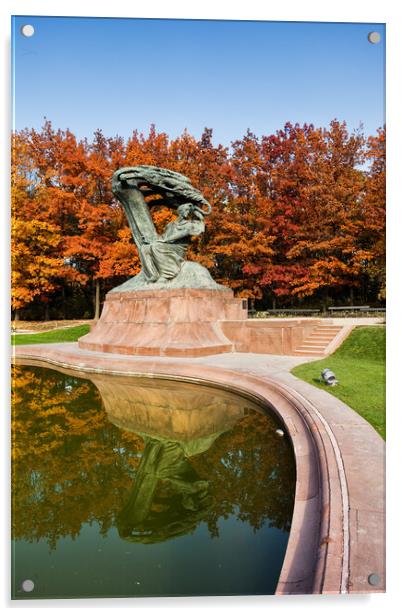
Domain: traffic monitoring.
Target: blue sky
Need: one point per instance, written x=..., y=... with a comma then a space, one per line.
x=125, y=74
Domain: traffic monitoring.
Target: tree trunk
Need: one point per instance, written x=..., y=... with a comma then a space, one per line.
x=47, y=315
x=97, y=299
x=63, y=303
x=274, y=303
x=325, y=300
x=16, y=315
x=351, y=296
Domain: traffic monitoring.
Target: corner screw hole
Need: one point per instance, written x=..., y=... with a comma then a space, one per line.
x=27, y=30
x=373, y=579
x=28, y=585
x=374, y=37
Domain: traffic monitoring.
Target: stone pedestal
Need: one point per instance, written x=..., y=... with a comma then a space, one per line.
x=180, y=322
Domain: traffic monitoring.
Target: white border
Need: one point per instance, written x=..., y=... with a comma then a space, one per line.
x=288, y=10
x=379, y=11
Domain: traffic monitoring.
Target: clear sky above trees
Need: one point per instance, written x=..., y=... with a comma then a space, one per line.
x=125, y=74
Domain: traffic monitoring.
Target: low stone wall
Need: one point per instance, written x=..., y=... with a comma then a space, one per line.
x=272, y=336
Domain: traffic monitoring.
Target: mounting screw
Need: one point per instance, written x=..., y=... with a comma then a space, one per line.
x=27, y=30
x=374, y=37
x=28, y=585
x=373, y=579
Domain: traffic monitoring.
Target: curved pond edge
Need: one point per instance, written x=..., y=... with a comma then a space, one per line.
x=331, y=548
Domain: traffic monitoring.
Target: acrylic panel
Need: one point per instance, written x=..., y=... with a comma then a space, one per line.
x=198, y=304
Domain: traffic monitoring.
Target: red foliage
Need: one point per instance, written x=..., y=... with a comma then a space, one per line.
x=295, y=213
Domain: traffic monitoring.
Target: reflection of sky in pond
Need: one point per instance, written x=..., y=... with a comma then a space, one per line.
x=94, y=514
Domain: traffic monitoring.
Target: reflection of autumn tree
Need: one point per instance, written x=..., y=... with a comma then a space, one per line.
x=71, y=466
x=252, y=474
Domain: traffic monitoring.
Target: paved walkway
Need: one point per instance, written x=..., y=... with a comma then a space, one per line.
x=258, y=364
x=358, y=320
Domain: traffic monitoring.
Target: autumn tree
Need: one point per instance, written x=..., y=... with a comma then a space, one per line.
x=373, y=206
x=55, y=191
x=315, y=188
x=99, y=218
x=298, y=215
x=243, y=240
x=36, y=263
x=331, y=219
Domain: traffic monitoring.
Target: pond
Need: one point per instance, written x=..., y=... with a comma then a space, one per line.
x=128, y=487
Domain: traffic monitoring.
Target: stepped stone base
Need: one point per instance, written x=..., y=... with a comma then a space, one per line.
x=189, y=322
x=180, y=322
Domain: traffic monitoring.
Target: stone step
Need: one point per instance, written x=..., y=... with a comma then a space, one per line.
x=319, y=339
x=312, y=347
x=323, y=336
x=308, y=352
x=326, y=336
x=320, y=342
x=329, y=327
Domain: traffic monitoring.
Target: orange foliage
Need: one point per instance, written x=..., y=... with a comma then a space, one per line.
x=295, y=213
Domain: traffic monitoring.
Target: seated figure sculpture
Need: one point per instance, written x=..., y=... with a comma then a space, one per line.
x=163, y=257
x=173, y=306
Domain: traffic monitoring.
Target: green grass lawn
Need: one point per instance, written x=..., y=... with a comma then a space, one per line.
x=359, y=365
x=69, y=334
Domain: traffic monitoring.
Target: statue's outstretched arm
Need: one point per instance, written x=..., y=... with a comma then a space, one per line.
x=190, y=228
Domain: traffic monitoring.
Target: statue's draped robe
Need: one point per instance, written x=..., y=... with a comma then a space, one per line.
x=165, y=255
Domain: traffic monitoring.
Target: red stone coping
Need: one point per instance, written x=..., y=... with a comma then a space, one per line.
x=171, y=292
x=325, y=553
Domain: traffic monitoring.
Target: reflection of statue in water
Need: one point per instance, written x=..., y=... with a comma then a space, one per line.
x=168, y=499
x=163, y=257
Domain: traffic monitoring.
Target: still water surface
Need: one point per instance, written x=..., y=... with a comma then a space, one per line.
x=144, y=487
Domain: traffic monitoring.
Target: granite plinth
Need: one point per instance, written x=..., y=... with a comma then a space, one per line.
x=173, y=322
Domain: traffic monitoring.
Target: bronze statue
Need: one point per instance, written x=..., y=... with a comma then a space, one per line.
x=162, y=256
